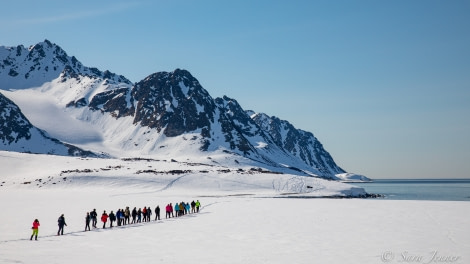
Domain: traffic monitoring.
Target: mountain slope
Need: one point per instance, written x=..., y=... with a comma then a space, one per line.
x=18, y=134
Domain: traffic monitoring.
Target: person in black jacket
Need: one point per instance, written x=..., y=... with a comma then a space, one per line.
x=193, y=207
x=134, y=215
x=112, y=218
x=149, y=213
x=61, y=222
x=139, y=216
x=94, y=217
x=157, y=213
x=87, y=221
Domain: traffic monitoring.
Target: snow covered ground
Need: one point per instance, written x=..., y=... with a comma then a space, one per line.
x=249, y=217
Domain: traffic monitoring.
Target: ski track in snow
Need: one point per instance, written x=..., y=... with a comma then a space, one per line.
x=169, y=185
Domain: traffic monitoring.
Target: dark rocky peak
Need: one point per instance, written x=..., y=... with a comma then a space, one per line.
x=47, y=51
x=24, y=68
x=173, y=101
x=231, y=106
x=178, y=84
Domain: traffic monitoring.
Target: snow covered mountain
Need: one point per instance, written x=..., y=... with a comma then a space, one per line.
x=167, y=113
x=22, y=67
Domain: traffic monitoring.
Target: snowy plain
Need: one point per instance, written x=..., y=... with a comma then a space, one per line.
x=246, y=216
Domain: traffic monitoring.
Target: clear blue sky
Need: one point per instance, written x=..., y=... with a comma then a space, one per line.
x=384, y=85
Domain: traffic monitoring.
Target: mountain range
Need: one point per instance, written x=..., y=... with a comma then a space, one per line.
x=51, y=103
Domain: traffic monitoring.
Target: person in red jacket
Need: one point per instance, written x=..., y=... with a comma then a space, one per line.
x=35, y=229
x=144, y=214
x=104, y=218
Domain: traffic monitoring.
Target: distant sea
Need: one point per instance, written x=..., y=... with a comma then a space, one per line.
x=420, y=189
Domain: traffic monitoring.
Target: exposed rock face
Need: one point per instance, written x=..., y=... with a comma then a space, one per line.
x=174, y=102
x=14, y=125
x=299, y=143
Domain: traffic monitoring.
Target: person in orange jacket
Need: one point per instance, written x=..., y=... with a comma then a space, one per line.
x=104, y=218
x=35, y=229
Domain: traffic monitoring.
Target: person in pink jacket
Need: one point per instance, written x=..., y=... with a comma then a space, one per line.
x=168, y=209
x=35, y=229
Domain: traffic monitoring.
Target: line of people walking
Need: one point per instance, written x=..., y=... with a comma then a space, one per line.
x=123, y=216
x=182, y=209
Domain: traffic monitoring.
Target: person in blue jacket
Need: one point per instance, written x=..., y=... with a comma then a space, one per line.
x=177, y=209
x=118, y=217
